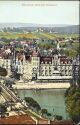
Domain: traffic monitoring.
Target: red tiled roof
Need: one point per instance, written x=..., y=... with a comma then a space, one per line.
x=64, y=60
x=63, y=122
x=45, y=59
x=43, y=121
x=21, y=119
x=34, y=53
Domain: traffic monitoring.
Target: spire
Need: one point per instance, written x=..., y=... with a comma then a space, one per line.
x=58, y=47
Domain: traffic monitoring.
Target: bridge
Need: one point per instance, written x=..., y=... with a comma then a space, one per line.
x=10, y=96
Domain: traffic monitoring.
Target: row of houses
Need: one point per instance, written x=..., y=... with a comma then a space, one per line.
x=35, y=66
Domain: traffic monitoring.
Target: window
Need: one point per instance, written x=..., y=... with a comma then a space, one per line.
x=55, y=68
x=46, y=73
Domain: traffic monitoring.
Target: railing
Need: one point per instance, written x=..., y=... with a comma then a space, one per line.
x=12, y=95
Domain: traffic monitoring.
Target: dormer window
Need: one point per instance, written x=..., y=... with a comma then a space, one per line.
x=41, y=62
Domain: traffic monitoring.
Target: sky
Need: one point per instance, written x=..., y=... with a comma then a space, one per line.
x=49, y=12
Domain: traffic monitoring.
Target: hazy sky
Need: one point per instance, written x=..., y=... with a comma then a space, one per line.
x=57, y=12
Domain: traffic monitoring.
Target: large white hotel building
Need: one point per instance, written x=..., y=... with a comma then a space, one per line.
x=41, y=68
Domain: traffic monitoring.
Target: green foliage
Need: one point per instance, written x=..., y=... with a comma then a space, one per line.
x=0, y=89
x=66, y=52
x=32, y=103
x=73, y=102
x=78, y=50
x=48, y=114
x=44, y=111
x=67, y=91
x=78, y=81
x=63, y=45
x=58, y=117
x=46, y=45
x=70, y=52
x=3, y=109
x=3, y=72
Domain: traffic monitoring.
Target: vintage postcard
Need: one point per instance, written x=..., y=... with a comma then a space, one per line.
x=39, y=62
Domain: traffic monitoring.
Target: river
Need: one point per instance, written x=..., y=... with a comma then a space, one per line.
x=49, y=99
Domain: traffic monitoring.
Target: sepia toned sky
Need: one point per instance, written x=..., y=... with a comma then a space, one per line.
x=57, y=12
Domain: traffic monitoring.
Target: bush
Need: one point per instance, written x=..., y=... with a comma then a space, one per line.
x=73, y=103
x=76, y=118
x=32, y=103
x=3, y=72
x=44, y=111
x=0, y=89
x=3, y=110
x=48, y=114
x=58, y=117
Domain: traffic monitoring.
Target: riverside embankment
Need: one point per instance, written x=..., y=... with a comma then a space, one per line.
x=31, y=85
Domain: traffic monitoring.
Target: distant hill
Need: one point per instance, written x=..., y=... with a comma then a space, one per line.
x=67, y=29
x=16, y=25
x=47, y=27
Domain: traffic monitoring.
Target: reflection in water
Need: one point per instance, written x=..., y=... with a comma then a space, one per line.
x=51, y=99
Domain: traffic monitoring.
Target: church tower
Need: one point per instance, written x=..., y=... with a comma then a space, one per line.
x=58, y=45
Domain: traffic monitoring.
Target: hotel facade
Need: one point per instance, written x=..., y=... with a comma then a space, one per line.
x=36, y=67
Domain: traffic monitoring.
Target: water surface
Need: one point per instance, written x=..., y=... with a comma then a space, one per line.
x=49, y=99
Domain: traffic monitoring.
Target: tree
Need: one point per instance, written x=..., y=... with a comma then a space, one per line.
x=9, y=82
x=3, y=110
x=66, y=52
x=78, y=53
x=73, y=103
x=16, y=75
x=44, y=111
x=58, y=117
x=3, y=72
x=78, y=79
x=32, y=103
x=48, y=114
x=0, y=89
x=72, y=53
